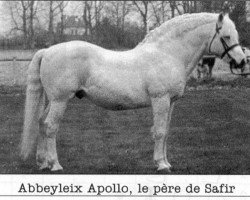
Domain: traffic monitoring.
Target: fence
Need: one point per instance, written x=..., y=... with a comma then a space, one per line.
x=14, y=69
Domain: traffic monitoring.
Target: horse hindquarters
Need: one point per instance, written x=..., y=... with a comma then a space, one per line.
x=34, y=116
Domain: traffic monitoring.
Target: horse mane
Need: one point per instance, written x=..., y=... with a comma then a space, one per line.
x=178, y=26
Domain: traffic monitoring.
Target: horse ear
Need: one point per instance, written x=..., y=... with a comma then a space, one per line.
x=221, y=17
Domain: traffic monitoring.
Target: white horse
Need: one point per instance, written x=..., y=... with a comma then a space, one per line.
x=154, y=73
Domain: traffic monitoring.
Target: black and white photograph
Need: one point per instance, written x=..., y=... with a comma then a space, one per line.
x=125, y=87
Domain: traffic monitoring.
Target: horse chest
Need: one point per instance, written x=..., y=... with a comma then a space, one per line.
x=171, y=81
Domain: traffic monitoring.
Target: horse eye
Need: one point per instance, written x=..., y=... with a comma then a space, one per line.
x=227, y=37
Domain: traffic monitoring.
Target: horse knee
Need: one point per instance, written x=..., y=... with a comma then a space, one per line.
x=51, y=128
x=43, y=114
x=53, y=118
x=158, y=133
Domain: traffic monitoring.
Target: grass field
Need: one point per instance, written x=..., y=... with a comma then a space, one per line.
x=209, y=135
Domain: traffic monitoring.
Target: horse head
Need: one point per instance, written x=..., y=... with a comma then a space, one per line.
x=246, y=68
x=225, y=42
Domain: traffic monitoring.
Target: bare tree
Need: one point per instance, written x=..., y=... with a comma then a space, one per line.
x=195, y=6
x=126, y=7
x=114, y=9
x=175, y=6
x=155, y=7
x=22, y=15
x=119, y=10
x=142, y=7
x=88, y=18
x=31, y=24
x=98, y=7
x=53, y=12
x=85, y=19
x=189, y=6
x=160, y=11
x=172, y=6
x=62, y=7
x=24, y=6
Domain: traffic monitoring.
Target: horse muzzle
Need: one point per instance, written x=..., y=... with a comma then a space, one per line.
x=233, y=64
x=241, y=67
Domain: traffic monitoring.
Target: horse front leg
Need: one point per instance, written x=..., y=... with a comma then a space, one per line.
x=162, y=109
x=46, y=147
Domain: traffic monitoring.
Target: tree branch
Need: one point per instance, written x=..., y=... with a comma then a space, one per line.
x=138, y=7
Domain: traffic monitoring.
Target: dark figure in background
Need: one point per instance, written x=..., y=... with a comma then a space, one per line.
x=205, y=67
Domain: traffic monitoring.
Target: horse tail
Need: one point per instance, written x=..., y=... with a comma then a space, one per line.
x=34, y=106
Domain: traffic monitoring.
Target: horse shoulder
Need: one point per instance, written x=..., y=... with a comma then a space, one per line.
x=167, y=77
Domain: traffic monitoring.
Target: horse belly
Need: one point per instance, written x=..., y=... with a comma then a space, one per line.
x=117, y=93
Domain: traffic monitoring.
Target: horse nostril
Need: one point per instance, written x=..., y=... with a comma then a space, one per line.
x=242, y=64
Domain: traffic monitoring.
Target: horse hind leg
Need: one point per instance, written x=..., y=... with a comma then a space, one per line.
x=41, y=141
x=46, y=148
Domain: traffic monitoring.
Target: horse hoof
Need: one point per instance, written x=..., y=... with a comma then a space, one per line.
x=164, y=168
x=164, y=171
x=43, y=166
x=163, y=164
x=56, y=167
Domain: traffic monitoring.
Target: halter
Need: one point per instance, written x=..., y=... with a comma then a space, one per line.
x=226, y=52
x=224, y=44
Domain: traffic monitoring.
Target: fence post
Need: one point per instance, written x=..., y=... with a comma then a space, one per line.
x=14, y=68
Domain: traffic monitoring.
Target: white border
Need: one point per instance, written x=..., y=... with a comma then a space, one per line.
x=11, y=184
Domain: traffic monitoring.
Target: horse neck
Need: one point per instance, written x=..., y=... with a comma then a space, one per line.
x=190, y=47
x=198, y=41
